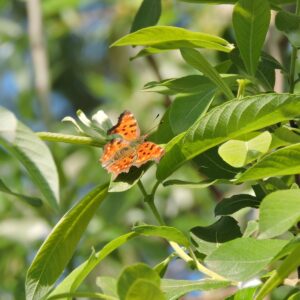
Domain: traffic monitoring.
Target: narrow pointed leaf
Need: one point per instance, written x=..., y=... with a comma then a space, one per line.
x=199, y=62
x=230, y=205
x=251, y=22
x=55, y=253
x=168, y=37
x=288, y=266
x=147, y=15
x=30, y=200
x=76, y=277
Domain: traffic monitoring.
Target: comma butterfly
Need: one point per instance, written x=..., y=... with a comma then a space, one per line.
x=130, y=149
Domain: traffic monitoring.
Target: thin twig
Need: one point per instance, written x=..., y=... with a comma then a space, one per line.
x=39, y=57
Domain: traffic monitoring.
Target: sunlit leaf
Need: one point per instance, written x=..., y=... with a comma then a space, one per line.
x=55, y=253
x=168, y=37
x=226, y=122
x=279, y=211
x=25, y=146
x=243, y=258
x=174, y=289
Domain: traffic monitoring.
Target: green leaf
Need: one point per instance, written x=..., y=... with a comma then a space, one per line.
x=161, y=267
x=108, y=285
x=144, y=289
x=30, y=200
x=244, y=294
x=199, y=62
x=147, y=15
x=202, y=246
x=234, y=1
x=186, y=109
x=285, y=161
x=225, y=229
x=295, y=296
x=230, y=205
x=214, y=167
x=24, y=145
x=279, y=211
x=234, y=261
x=225, y=122
x=58, y=248
x=169, y=233
x=191, y=84
x=131, y=275
x=76, y=277
x=188, y=184
x=252, y=226
x=174, y=289
x=251, y=22
x=239, y=153
x=168, y=37
x=287, y=266
x=289, y=24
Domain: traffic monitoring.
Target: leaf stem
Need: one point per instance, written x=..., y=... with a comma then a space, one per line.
x=149, y=199
x=70, y=139
x=82, y=295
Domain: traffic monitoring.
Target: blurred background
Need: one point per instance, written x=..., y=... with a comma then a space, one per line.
x=51, y=69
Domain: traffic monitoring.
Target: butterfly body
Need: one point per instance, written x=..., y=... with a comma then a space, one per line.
x=129, y=149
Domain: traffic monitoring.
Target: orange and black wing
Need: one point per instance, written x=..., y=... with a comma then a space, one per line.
x=148, y=151
x=127, y=127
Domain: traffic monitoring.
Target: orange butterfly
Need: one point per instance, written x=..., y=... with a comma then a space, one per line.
x=131, y=149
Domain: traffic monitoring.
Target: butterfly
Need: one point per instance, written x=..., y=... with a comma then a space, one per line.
x=130, y=149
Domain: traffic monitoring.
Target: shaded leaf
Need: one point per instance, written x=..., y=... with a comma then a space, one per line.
x=225, y=229
x=147, y=15
x=30, y=200
x=251, y=22
x=289, y=24
x=230, y=205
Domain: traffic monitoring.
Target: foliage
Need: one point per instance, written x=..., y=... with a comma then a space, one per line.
x=229, y=136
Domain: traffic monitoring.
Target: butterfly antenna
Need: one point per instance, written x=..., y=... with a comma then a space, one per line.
x=154, y=127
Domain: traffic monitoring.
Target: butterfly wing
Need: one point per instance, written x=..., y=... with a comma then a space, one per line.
x=147, y=151
x=118, y=156
x=127, y=127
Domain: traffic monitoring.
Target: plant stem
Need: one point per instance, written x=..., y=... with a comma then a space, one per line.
x=293, y=57
x=70, y=139
x=149, y=199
